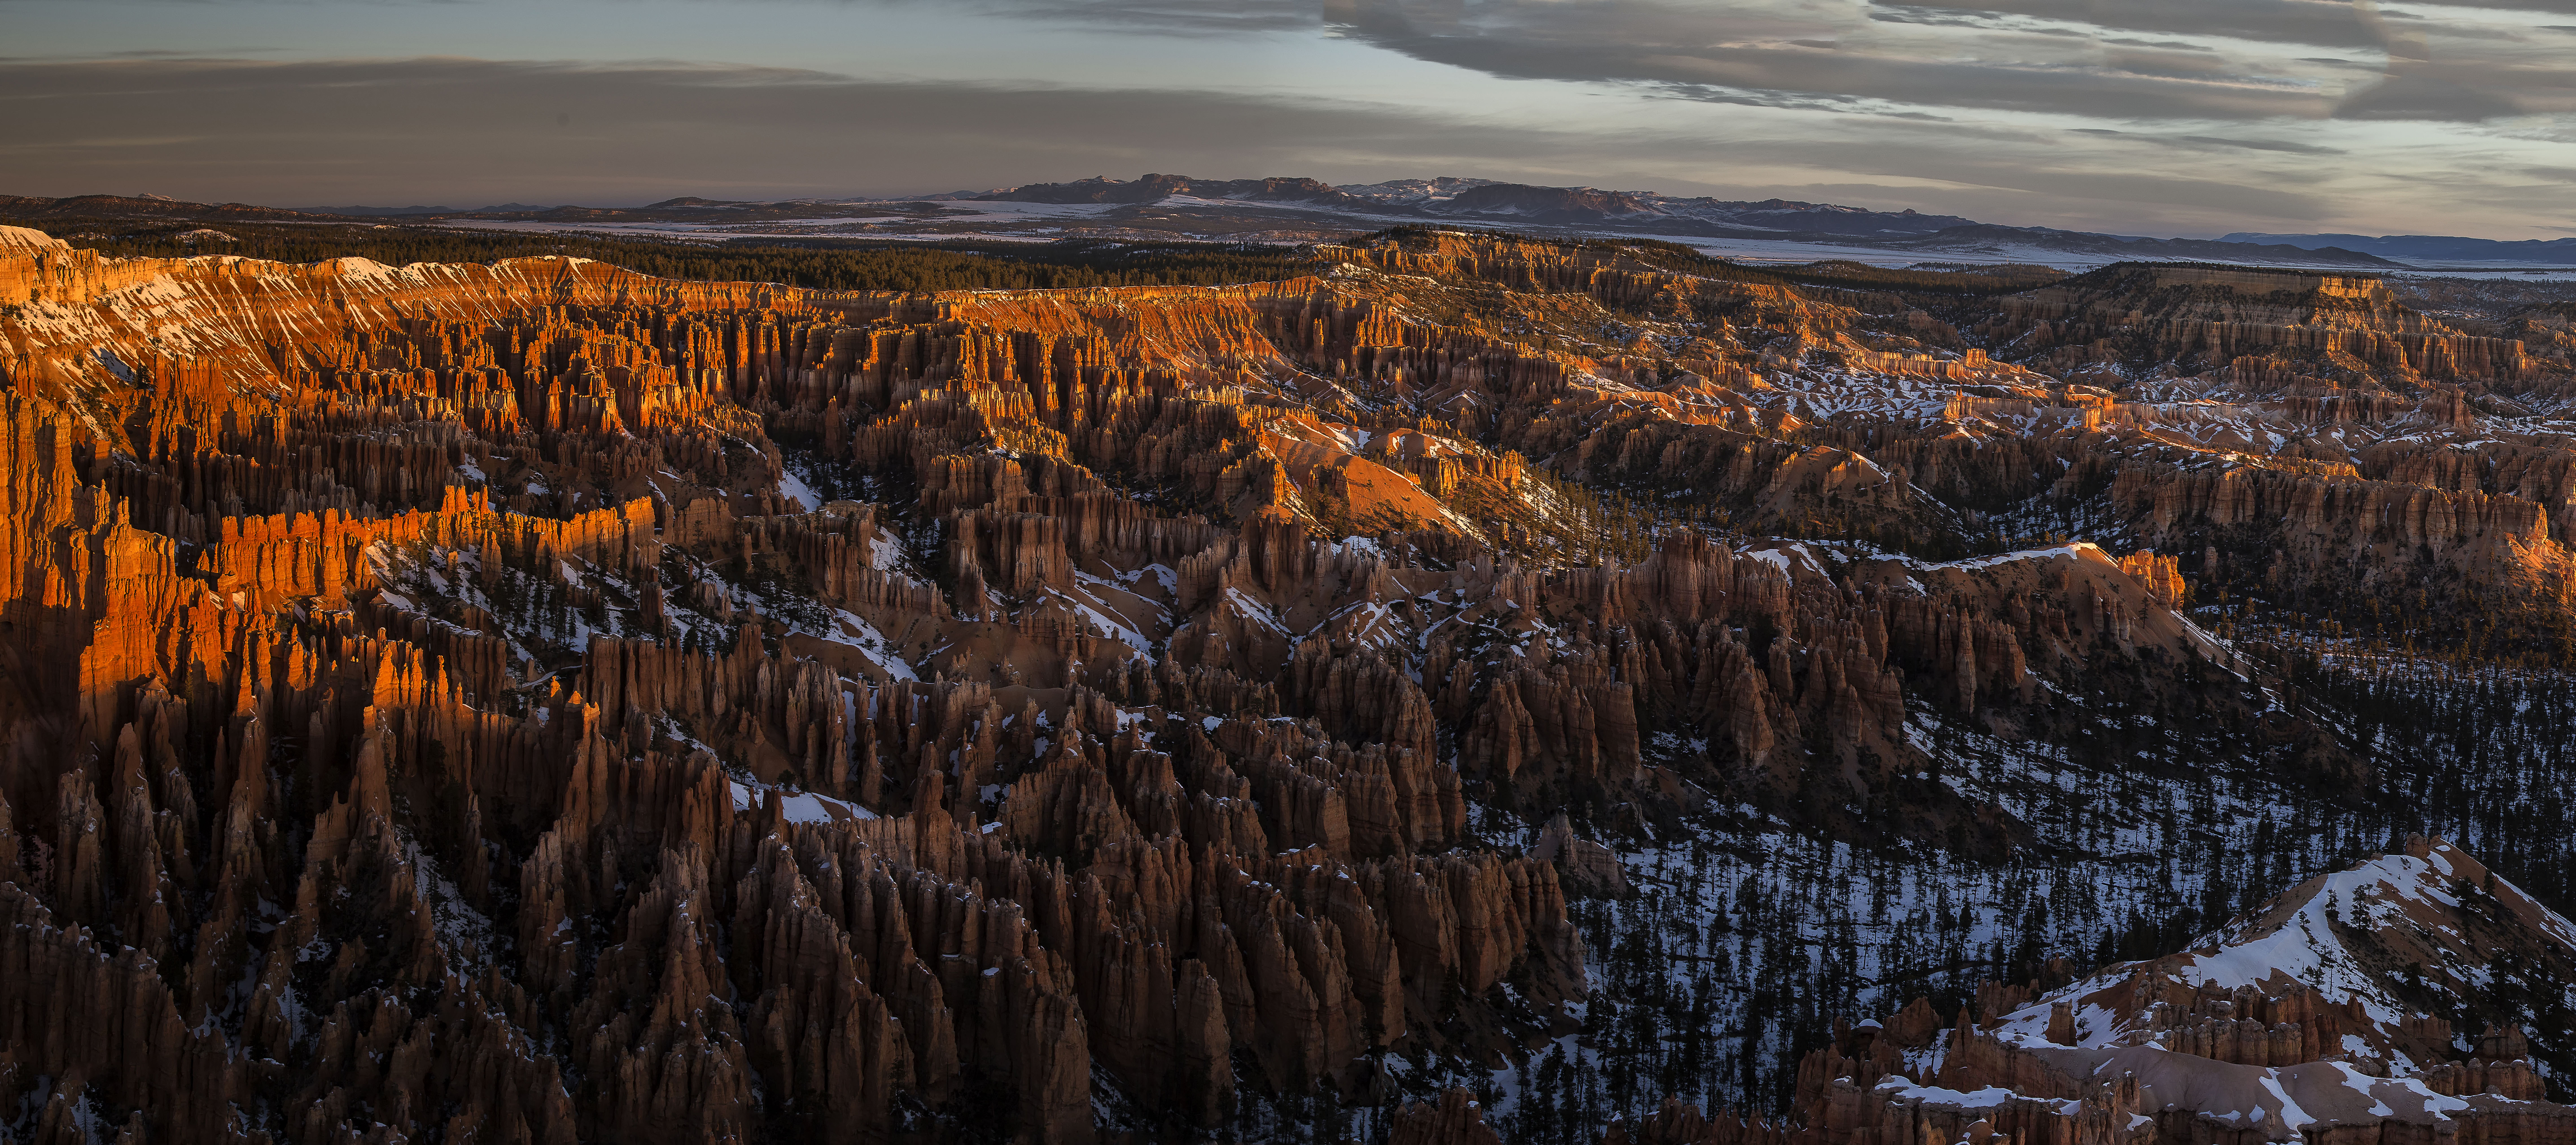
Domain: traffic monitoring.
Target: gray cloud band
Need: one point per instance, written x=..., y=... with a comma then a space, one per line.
x=2264, y=59
x=573, y=132
x=474, y=131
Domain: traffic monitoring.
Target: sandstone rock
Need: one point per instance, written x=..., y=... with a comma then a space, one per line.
x=1583, y=866
x=425, y=712
x=1457, y=1120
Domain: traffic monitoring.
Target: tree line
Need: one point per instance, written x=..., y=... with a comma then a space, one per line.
x=822, y=264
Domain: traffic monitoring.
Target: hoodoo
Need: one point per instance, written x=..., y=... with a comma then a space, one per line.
x=1476, y=689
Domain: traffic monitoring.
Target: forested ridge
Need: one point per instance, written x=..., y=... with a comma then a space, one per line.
x=821, y=263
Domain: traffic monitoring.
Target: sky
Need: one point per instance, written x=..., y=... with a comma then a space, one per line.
x=2160, y=117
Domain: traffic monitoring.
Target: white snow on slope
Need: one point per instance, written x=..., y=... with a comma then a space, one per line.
x=2299, y=943
x=795, y=489
x=803, y=807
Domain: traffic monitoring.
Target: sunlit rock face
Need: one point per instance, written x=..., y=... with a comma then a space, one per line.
x=538, y=701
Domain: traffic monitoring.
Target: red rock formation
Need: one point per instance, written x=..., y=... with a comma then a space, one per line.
x=858, y=968
x=1583, y=866
x=2219, y=314
x=1457, y=1120
x=1679, y=1123
x=429, y=708
x=2158, y=1057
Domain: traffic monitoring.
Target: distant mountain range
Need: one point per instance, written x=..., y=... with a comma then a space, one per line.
x=1159, y=206
x=2431, y=248
x=1485, y=200
x=1646, y=213
x=363, y=211
x=136, y=207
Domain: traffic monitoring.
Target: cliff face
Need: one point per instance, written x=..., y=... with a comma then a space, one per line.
x=2303, y=1021
x=2208, y=316
x=468, y=731
x=541, y=702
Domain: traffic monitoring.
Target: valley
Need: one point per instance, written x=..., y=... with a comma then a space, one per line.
x=1434, y=685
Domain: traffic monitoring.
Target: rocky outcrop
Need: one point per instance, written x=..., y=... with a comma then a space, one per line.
x=1457, y=1120
x=1680, y=1123
x=2168, y=1049
x=624, y=797
x=1584, y=867
x=540, y=702
x=2195, y=315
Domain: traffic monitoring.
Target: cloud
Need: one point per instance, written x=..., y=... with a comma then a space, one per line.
x=2204, y=142
x=2224, y=60
x=1759, y=56
x=464, y=130
x=2423, y=97
x=2029, y=176
x=2550, y=7
x=473, y=131
x=2022, y=116
x=1174, y=17
x=2265, y=145
x=2321, y=23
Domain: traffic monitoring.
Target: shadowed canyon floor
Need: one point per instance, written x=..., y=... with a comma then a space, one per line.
x=1487, y=689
